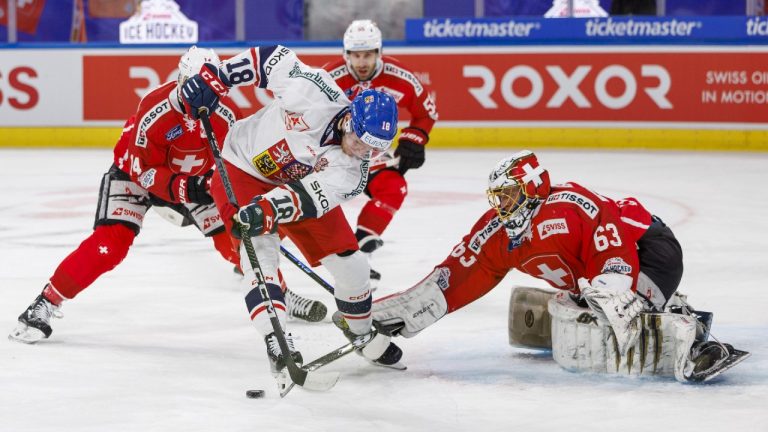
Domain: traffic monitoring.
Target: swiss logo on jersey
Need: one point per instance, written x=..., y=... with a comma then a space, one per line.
x=551, y=227
x=295, y=122
x=551, y=268
x=188, y=161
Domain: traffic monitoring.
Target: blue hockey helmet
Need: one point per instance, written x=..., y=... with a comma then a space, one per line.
x=374, y=118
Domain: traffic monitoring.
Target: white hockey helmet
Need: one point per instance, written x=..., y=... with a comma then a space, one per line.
x=362, y=35
x=193, y=60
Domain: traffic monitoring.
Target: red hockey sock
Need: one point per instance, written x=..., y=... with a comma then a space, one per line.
x=224, y=244
x=99, y=253
x=388, y=190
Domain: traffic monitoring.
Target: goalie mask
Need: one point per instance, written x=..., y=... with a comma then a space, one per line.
x=516, y=187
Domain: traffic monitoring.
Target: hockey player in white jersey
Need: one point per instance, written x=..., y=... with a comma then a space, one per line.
x=291, y=165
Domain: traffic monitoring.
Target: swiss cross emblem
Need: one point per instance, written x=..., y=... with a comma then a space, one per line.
x=551, y=268
x=295, y=121
x=190, y=162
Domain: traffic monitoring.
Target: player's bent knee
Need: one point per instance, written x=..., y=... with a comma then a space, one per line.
x=529, y=319
x=350, y=272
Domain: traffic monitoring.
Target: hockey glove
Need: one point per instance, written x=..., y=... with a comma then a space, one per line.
x=258, y=218
x=191, y=189
x=611, y=298
x=410, y=148
x=204, y=90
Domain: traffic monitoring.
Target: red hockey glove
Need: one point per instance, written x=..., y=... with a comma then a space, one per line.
x=410, y=148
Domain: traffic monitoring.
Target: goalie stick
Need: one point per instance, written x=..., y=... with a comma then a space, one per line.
x=308, y=379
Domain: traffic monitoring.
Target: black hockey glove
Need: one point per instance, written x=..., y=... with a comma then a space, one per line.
x=258, y=218
x=410, y=148
x=192, y=189
x=204, y=89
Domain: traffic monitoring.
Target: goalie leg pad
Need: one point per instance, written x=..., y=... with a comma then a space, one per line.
x=529, y=319
x=582, y=342
x=416, y=308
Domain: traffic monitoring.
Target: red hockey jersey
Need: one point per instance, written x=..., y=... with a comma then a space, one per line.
x=396, y=80
x=159, y=143
x=575, y=234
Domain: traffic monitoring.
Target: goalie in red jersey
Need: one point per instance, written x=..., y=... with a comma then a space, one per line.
x=617, y=269
x=364, y=67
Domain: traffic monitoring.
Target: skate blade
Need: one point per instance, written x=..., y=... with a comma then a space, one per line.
x=26, y=334
x=736, y=357
x=396, y=366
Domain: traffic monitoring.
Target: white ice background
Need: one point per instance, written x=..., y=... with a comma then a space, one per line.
x=163, y=342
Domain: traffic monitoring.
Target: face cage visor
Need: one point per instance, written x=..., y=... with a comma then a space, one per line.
x=509, y=202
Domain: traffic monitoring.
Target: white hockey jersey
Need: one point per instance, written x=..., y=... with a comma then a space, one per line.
x=291, y=140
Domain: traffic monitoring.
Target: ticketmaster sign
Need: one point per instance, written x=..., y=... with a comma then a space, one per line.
x=612, y=30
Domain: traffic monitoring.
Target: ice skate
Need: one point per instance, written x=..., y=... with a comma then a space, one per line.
x=303, y=308
x=276, y=359
x=35, y=322
x=710, y=359
x=389, y=354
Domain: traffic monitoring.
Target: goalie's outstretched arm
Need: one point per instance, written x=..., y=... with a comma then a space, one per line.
x=468, y=273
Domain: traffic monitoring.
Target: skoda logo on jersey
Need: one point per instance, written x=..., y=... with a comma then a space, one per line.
x=174, y=133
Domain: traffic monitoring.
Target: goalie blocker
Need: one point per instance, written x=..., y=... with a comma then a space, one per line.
x=670, y=343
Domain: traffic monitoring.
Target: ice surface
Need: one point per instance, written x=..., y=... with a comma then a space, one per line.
x=163, y=342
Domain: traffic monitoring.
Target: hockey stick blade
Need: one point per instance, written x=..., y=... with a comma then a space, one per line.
x=354, y=345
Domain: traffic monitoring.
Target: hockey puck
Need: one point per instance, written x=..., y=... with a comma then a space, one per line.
x=254, y=394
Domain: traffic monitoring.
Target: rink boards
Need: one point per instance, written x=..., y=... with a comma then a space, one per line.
x=662, y=97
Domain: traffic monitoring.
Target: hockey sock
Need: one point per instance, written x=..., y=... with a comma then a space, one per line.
x=223, y=243
x=102, y=251
x=257, y=308
x=388, y=190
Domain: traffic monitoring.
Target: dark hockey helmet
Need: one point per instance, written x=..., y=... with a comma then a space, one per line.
x=374, y=118
x=516, y=186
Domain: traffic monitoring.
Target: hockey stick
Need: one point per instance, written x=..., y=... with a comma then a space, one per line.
x=389, y=163
x=389, y=330
x=304, y=378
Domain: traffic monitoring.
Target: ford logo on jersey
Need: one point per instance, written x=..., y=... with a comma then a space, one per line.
x=174, y=133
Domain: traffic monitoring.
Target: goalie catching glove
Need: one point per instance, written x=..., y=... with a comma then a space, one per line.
x=611, y=298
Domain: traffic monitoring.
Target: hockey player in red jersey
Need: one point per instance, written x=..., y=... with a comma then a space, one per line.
x=611, y=256
x=161, y=159
x=362, y=67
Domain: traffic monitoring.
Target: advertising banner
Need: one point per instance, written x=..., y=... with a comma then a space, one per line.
x=610, y=30
x=502, y=93
x=41, y=88
x=595, y=85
